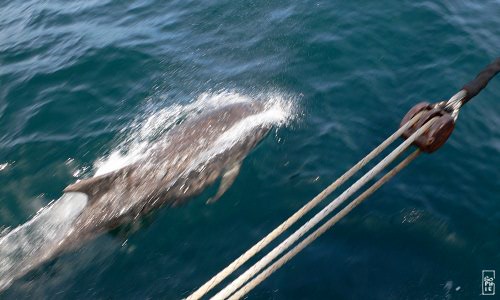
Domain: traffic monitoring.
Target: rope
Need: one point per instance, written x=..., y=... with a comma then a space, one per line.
x=318, y=232
x=451, y=106
x=204, y=289
x=257, y=267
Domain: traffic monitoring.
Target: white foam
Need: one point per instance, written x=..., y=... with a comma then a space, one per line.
x=21, y=247
x=149, y=128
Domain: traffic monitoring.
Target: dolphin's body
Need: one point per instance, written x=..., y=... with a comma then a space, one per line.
x=175, y=171
x=196, y=153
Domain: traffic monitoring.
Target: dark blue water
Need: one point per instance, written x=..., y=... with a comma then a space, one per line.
x=78, y=79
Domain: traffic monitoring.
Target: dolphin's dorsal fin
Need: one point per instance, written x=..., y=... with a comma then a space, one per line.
x=92, y=186
x=95, y=186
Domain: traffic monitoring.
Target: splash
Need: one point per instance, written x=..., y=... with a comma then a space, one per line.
x=148, y=130
x=4, y=166
x=277, y=113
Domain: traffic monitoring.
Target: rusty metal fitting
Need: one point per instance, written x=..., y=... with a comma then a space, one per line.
x=438, y=132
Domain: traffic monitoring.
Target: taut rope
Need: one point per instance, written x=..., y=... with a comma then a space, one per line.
x=426, y=126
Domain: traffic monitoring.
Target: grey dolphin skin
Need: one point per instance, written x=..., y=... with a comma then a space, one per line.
x=175, y=171
x=193, y=156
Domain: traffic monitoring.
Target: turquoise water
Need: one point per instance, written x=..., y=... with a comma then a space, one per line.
x=78, y=79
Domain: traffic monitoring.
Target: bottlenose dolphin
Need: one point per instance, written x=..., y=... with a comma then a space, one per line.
x=193, y=156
